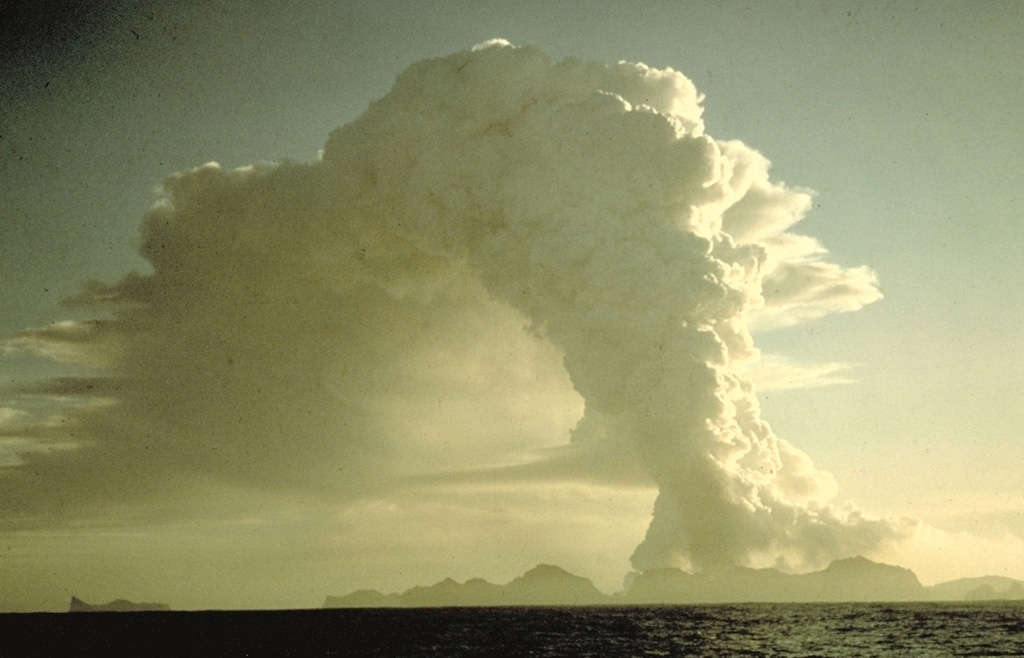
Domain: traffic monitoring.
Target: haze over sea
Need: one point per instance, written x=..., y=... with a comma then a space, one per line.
x=842, y=629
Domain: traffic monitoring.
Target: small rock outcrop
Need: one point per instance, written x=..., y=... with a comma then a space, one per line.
x=118, y=605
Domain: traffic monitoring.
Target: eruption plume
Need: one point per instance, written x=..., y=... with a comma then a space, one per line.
x=487, y=187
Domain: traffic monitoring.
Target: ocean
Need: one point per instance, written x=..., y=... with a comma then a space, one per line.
x=880, y=630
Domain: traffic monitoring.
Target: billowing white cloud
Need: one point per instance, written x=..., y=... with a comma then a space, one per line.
x=499, y=246
x=796, y=284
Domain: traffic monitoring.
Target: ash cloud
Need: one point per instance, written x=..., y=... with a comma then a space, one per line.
x=499, y=242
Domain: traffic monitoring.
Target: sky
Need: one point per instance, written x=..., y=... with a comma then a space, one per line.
x=485, y=315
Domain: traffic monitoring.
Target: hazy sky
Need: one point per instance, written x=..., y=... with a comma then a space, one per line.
x=320, y=378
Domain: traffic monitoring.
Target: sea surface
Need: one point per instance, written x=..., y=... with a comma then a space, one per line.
x=902, y=629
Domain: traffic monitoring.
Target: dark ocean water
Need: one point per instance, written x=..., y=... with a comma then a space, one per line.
x=914, y=629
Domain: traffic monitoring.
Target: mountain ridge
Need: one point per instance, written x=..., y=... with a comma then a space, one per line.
x=854, y=579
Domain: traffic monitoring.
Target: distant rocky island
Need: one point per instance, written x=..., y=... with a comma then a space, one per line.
x=542, y=585
x=850, y=580
x=119, y=605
